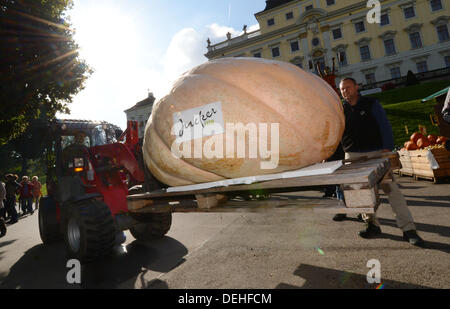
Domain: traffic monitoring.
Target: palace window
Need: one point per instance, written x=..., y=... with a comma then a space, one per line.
x=395, y=73
x=309, y=7
x=295, y=46
x=359, y=27
x=365, y=53
x=447, y=61
x=257, y=55
x=337, y=33
x=442, y=32
x=436, y=5
x=385, y=19
x=331, y=2
x=289, y=15
x=271, y=22
x=370, y=78
x=422, y=66
x=275, y=52
x=315, y=42
x=342, y=58
x=409, y=12
x=389, y=47
x=416, y=41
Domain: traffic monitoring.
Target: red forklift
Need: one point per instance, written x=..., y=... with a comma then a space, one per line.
x=86, y=204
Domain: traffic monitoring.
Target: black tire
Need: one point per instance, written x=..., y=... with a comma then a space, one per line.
x=49, y=228
x=152, y=226
x=2, y=228
x=89, y=230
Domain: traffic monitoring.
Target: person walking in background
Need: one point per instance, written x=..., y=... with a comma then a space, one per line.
x=2, y=210
x=2, y=202
x=11, y=188
x=22, y=202
x=36, y=191
x=26, y=195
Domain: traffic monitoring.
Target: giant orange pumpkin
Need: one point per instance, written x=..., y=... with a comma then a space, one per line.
x=247, y=91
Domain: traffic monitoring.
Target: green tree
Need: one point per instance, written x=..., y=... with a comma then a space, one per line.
x=30, y=145
x=39, y=63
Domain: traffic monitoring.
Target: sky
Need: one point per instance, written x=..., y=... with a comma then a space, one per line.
x=141, y=46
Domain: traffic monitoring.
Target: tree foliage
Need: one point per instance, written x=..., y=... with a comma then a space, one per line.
x=17, y=153
x=39, y=63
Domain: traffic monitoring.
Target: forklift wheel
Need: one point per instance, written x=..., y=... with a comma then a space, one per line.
x=89, y=230
x=152, y=226
x=49, y=228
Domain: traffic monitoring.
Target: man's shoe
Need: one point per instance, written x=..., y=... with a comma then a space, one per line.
x=413, y=238
x=371, y=231
x=339, y=217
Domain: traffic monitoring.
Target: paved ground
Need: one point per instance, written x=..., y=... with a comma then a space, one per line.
x=277, y=249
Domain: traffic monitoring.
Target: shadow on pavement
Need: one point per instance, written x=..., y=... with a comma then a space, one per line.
x=44, y=267
x=421, y=227
x=424, y=227
x=410, y=202
x=6, y=243
x=402, y=186
x=40, y=267
x=432, y=198
x=157, y=284
x=429, y=228
x=126, y=270
x=325, y=278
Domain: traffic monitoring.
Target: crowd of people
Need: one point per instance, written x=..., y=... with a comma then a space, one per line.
x=21, y=195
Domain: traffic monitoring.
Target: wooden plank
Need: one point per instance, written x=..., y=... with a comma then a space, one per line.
x=360, y=173
x=366, y=173
x=188, y=206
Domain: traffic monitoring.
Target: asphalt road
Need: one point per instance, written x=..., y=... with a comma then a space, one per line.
x=275, y=249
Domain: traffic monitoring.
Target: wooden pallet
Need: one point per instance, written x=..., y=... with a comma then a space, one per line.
x=359, y=181
x=417, y=164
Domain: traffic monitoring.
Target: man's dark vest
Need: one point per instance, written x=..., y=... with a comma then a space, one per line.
x=361, y=128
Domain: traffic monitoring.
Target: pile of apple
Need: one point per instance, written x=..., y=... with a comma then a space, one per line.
x=418, y=141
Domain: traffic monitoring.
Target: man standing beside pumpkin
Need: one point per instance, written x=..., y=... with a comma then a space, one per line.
x=368, y=132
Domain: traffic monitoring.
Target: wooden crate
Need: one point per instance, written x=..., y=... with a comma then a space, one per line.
x=405, y=160
x=421, y=164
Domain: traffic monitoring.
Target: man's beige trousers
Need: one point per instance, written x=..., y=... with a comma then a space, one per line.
x=396, y=199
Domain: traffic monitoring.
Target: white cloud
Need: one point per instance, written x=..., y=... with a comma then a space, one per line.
x=117, y=87
x=187, y=48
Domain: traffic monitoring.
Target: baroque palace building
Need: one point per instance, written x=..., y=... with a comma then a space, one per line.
x=411, y=35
